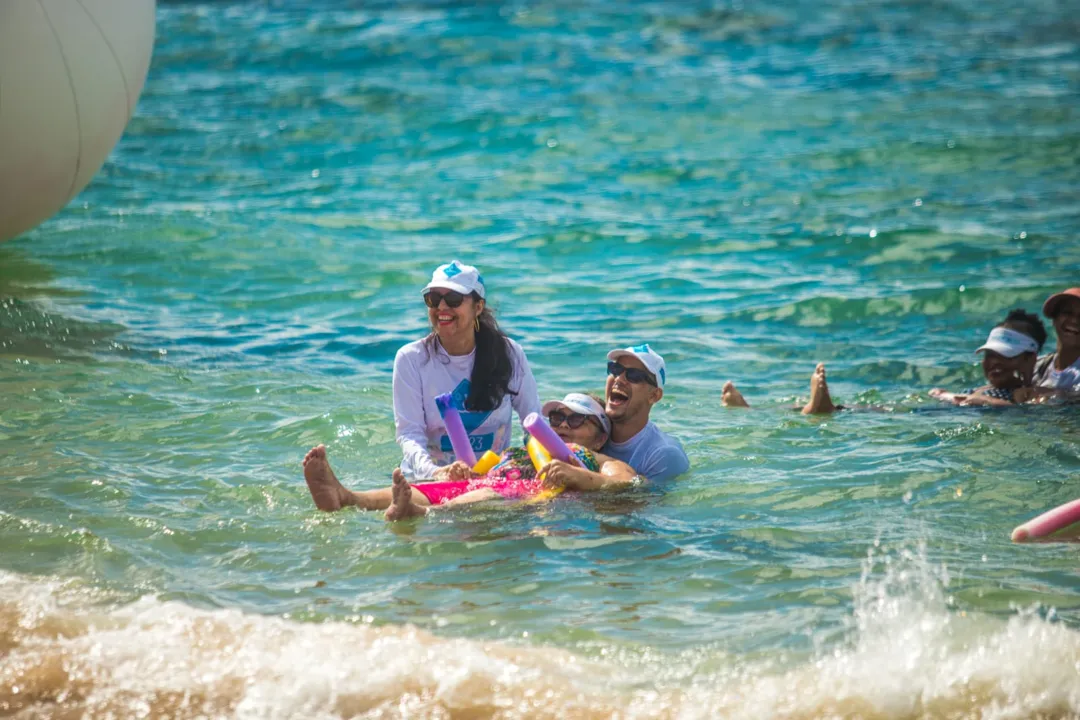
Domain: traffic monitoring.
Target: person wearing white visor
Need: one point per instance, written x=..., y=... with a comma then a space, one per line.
x=465, y=354
x=1009, y=357
x=1009, y=343
x=575, y=409
x=635, y=383
x=580, y=418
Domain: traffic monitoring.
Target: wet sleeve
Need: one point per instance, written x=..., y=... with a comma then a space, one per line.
x=665, y=463
x=409, y=421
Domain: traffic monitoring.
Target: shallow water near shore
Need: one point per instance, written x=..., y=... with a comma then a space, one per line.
x=750, y=189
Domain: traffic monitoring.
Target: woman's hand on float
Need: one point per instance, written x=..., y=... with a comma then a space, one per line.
x=558, y=474
x=454, y=471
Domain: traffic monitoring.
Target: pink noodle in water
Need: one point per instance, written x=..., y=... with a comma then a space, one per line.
x=1062, y=524
x=455, y=429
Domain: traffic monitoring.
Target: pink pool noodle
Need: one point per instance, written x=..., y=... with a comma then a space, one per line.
x=1049, y=526
x=459, y=439
x=539, y=429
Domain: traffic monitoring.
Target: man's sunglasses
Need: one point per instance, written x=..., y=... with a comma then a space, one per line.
x=452, y=299
x=573, y=419
x=633, y=375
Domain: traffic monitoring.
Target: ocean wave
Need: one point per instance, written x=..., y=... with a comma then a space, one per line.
x=67, y=651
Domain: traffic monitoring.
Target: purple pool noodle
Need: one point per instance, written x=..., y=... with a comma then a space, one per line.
x=539, y=429
x=459, y=439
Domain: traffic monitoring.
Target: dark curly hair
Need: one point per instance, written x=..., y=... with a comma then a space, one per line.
x=1024, y=322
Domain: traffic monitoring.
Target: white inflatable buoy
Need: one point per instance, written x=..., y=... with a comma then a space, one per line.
x=70, y=74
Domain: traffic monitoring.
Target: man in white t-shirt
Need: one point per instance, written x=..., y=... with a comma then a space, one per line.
x=636, y=378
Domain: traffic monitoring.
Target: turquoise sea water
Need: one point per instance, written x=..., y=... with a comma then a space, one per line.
x=752, y=188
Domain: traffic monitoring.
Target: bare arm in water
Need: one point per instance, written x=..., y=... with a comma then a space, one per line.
x=613, y=474
x=979, y=398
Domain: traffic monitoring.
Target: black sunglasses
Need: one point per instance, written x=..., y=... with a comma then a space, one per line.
x=452, y=299
x=633, y=375
x=573, y=419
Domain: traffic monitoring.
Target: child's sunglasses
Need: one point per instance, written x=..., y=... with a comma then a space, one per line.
x=573, y=419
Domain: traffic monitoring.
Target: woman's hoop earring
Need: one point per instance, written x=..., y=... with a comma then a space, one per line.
x=476, y=322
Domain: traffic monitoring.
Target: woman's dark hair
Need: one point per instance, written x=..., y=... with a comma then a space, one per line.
x=490, y=381
x=1027, y=323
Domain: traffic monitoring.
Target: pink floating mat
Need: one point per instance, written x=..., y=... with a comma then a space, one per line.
x=1062, y=524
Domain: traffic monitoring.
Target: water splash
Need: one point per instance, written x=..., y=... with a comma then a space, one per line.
x=908, y=656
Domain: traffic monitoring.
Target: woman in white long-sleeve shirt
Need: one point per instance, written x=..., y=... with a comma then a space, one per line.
x=467, y=355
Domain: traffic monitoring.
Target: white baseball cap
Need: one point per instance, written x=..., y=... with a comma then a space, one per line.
x=456, y=276
x=1009, y=343
x=581, y=404
x=652, y=360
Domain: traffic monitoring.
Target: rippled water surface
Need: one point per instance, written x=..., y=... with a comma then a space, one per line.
x=752, y=188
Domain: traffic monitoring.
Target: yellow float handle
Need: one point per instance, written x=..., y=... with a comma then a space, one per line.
x=538, y=454
x=540, y=457
x=487, y=461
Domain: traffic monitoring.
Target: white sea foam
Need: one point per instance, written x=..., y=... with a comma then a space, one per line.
x=908, y=656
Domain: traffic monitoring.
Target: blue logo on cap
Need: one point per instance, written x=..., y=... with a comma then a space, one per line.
x=451, y=270
x=663, y=376
x=641, y=349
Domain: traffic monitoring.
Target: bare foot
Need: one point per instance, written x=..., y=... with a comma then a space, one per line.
x=403, y=507
x=820, y=401
x=327, y=492
x=730, y=397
